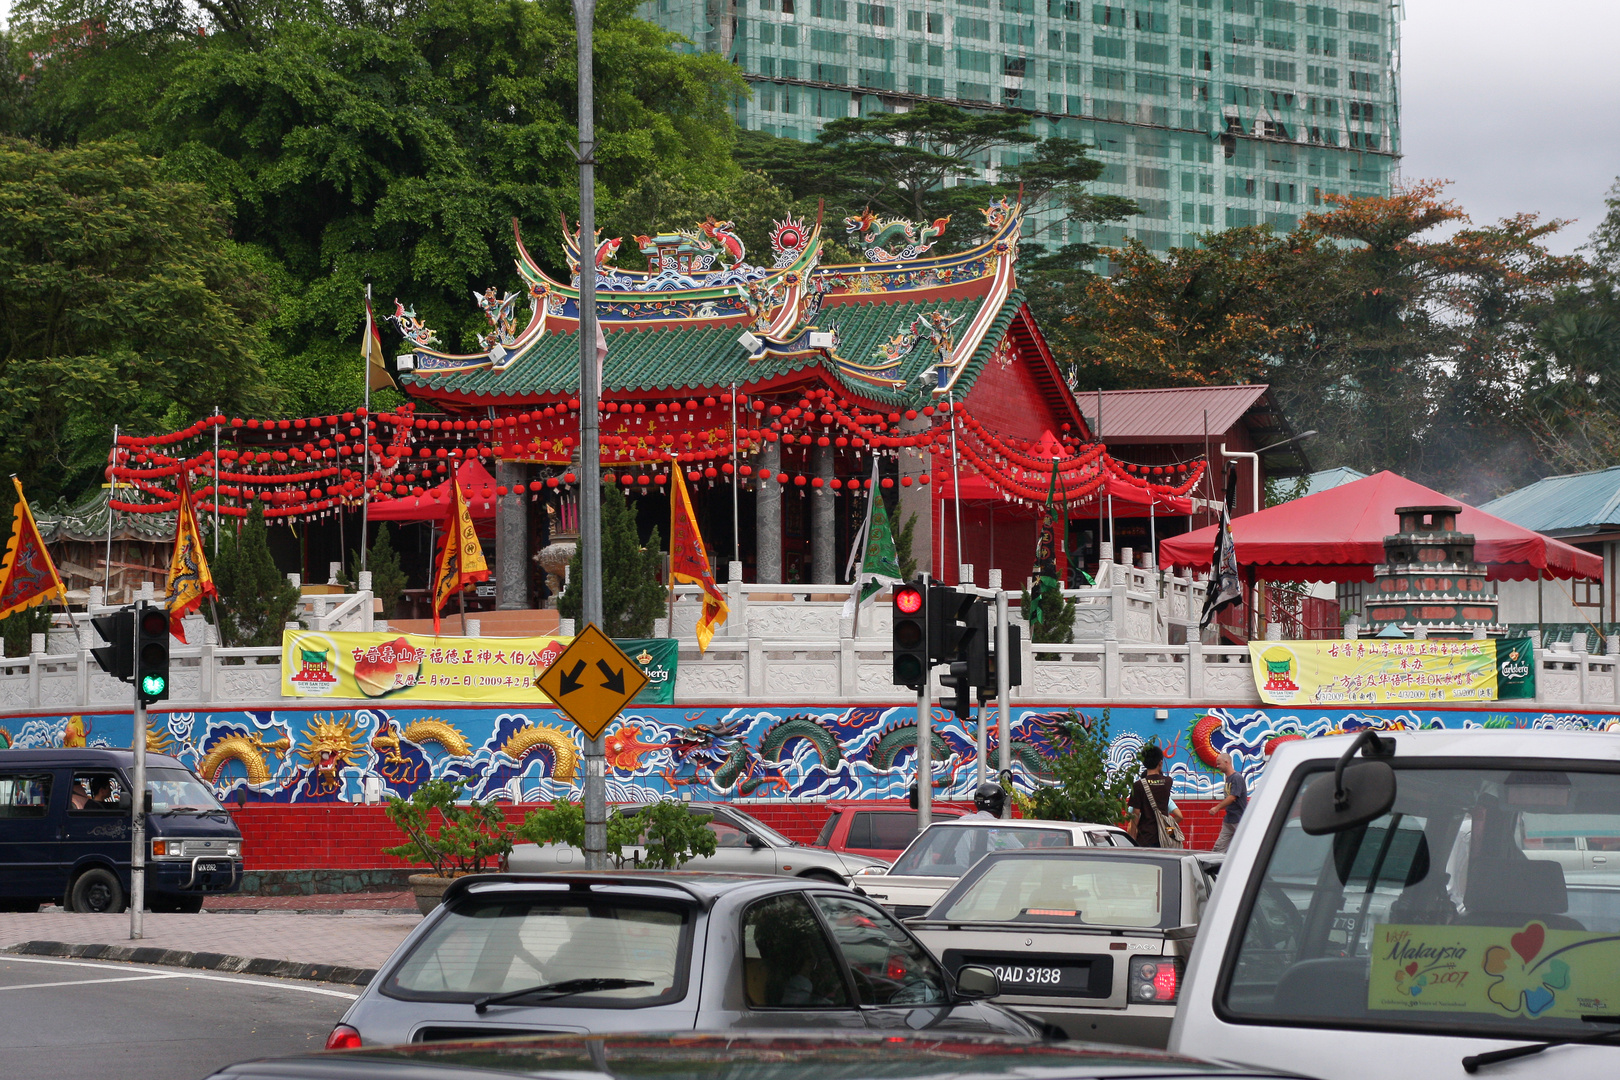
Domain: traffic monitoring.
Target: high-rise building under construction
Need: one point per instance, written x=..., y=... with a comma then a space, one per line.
x=1208, y=113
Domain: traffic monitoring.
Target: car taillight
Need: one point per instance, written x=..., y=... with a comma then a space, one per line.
x=1154, y=980
x=343, y=1037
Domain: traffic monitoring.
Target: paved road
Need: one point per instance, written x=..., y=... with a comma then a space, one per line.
x=79, y=1018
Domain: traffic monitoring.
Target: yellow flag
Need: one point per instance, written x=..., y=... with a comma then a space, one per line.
x=189, y=577
x=689, y=560
x=461, y=558
x=27, y=575
x=372, y=351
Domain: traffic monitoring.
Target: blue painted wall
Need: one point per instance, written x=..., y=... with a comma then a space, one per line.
x=791, y=752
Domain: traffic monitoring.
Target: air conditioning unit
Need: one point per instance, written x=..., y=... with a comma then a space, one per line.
x=750, y=342
x=405, y=362
x=820, y=339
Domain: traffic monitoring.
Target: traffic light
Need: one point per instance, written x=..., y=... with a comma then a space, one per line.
x=151, y=653
x=956, y=680
x=1015, y=665
x=117, y=657
x=945, y=607
x=910, y=649
x=974, y=646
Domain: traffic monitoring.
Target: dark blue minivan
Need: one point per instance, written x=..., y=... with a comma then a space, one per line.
x=65, y=833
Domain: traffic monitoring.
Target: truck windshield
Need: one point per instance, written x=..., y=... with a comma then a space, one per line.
x=949, y=850
x=1487, y=901
x=176, y=789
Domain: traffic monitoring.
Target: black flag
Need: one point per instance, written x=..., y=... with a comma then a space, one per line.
x=1225, y=585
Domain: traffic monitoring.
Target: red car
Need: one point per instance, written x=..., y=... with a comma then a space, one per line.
x=880, y=828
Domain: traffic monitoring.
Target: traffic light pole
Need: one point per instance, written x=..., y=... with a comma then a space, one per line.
x=137, y=825
x=925, y=756
x=1003, y=711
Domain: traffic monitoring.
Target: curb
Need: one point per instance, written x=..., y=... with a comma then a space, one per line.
x=242, y=965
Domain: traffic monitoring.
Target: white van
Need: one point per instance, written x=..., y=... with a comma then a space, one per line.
x=1409, y=905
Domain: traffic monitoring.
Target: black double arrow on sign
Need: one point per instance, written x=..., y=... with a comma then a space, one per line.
x=569, y=681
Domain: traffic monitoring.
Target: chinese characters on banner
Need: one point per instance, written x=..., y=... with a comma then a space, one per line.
x=1380, y=671
x=416, y=667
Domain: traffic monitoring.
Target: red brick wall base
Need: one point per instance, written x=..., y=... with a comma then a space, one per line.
x=346, y=836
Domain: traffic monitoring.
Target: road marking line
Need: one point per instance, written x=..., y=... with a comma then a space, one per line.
x=187, y=973
x=86, y=982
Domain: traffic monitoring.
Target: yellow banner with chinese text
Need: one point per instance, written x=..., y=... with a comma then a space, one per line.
x=318, y=663
x=1374, y=671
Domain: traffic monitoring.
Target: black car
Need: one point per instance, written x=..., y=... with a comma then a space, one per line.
x=821, y=1055
x=65, y=820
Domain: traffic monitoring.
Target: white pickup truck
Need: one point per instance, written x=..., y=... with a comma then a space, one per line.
x=1418, y=905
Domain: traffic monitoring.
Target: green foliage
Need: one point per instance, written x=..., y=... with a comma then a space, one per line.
x=667, y=832
x=17, y=631
x=349, y=138
x=897, y=165
x=633, y=590
x=1056, y=624
x=1084, y=790
x=903, y=540
x=256, y=600
x=471, y=838
x=124, y=299
x=662, y=202
x=387, y=578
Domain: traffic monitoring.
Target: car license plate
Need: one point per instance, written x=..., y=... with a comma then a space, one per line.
x=206, y=868
x=1069, y=976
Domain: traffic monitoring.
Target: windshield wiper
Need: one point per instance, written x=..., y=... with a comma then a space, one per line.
x=1472, y=1062
x=567, y=988
x=189, y=810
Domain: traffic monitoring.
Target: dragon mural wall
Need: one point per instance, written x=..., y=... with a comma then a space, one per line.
x=786, y=752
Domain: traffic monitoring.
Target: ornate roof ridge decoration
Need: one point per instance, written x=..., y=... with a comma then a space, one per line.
x=874, y=235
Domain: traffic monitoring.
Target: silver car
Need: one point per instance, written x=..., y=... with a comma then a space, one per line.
x=1090, y=940
x=946, y=850
x=743, y=845
x=634, y=952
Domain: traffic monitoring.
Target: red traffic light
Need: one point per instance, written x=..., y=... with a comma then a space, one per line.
x=154, y=621
x=908, y=601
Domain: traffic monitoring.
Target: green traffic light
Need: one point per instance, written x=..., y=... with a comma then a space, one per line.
x=152, y=685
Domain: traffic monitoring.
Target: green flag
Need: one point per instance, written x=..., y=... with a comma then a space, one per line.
x=880, y=563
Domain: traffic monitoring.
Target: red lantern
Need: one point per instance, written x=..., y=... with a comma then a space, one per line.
x=905, y=481
x=798, y=481
x=569, y=478
x=888, y=482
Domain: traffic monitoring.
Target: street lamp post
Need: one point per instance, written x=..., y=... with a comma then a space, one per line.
x=590, y=457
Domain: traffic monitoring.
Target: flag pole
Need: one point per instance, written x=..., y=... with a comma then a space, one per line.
x=216, y=484
x=106, y=576
x=956, y=489
x=736, y=541
x=365, y=438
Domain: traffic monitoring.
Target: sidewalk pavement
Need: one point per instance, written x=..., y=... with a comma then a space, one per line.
x=339, y=947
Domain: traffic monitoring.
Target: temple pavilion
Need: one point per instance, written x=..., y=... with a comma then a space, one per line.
x=776, y=385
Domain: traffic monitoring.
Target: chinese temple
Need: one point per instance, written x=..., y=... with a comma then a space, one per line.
x=775, y=386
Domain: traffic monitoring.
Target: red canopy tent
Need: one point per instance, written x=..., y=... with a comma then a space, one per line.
x=476, y=484
x=1338, y=535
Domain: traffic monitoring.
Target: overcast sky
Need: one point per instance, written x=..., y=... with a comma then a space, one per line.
x=1517, y=101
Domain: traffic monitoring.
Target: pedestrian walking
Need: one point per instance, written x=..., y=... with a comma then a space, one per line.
x=1233, y=802
x=1153, y=819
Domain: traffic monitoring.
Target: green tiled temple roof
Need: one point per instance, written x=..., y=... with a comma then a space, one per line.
x=89, y=519
x=691, y=359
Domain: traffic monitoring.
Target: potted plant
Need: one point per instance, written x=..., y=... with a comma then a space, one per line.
x=667, y=833
x=471, y=838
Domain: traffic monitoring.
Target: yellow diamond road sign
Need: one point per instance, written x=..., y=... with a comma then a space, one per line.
x=592, y=680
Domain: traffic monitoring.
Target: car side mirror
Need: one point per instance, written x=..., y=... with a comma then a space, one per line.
x=1357, y=794
x=146, y=802
x=241, y=797
x=756, y=843
x=975, y=982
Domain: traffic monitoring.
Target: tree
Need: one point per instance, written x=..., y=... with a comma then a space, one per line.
x=633, y=590
x=1085, y=788
x=17, y=630
x=123, y=299
x=387, y=577
x=1604, y=243
x=255, y=600
x=368, y=137
x=1400, y=349
x=471, y=838
x=931, y=162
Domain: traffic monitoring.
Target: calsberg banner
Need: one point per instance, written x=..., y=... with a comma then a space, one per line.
x=1392, y=671
x=406, y=667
